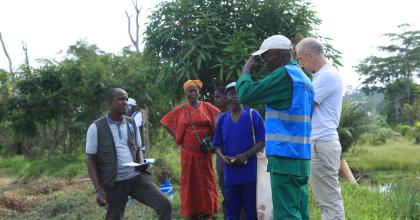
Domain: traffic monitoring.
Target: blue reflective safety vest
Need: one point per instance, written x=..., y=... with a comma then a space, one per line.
x=288, y=132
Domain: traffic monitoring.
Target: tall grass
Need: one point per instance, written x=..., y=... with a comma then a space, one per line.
x=395, y=155
x=57, y=166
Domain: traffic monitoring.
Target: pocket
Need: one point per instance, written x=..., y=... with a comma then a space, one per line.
x=329, y=154
x=299, y=180
x=105, y=153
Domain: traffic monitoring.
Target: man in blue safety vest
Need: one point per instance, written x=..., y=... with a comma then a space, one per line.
x=288, y=97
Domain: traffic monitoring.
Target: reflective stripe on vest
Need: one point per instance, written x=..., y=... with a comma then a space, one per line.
x=284, y=138
x=287, y=117
x=288, y=131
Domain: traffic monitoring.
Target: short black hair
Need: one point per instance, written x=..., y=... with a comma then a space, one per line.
x=110, y=95
x=221, y=90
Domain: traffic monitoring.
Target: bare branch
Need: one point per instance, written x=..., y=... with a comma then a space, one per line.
x=135, y=41
x=129, y=29
x=7, y=55
x=25, y=50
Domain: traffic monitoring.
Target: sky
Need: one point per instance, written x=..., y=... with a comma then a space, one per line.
x=49, y=26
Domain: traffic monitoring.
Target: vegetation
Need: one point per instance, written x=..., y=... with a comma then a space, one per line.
x=397, y=157
x=45, y=110
x=210, y=40
x=394, y=164
x=394, y=72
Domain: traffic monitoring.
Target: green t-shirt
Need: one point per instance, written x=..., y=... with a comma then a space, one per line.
x=275, y=90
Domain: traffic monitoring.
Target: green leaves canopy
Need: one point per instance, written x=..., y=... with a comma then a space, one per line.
x=394, y=71
x=210, y=40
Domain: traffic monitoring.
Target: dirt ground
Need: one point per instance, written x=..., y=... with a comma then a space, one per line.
x=21, y=196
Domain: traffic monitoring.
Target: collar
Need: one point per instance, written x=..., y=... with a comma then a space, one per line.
x=293, y=62
x=323, y=68
x=110, y=121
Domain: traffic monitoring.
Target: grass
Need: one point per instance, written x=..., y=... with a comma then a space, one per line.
x=396, y=155
x=397, y=159
x=395, y=163
x=57, y=166
x=360, y=203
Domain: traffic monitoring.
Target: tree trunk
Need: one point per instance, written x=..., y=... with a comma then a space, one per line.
x=397, y=104
x=25, y=50
x=134, y=39
x=7, y=55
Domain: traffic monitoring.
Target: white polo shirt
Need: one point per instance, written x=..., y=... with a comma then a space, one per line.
x=328, y=89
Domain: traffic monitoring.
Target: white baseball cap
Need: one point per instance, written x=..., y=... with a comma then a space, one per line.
x=230, y=85
x=274, y=42
x=131, y=101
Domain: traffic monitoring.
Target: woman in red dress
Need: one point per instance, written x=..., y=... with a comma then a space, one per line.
x=187, y=123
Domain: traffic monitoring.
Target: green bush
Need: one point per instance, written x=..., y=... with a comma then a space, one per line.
x=353, y=123
x=412, y=132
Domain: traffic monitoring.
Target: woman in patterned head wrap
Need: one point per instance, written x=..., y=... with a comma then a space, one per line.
x=189, y=123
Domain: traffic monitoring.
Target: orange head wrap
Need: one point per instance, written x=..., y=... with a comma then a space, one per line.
x=189, y=83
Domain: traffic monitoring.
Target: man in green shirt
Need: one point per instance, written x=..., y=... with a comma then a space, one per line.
x=287, y=95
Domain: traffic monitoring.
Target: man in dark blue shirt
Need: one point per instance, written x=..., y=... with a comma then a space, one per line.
x=240, y=132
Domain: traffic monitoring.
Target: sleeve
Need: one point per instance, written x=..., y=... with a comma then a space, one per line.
x=259, y=126
x=92, y=140
x=217, y=141
x=324, y=85
x=213, y=112
x=138, y=139
x=138, y=118
x=170, y=119
x=273, y=89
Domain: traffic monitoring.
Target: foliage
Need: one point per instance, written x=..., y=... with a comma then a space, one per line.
x=393, y=73
x=50, y=108
x=353, y=123
x=211, y=40
x=412, y=132
x=168, y=165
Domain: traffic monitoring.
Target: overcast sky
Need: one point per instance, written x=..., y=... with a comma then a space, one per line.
x=50, y=26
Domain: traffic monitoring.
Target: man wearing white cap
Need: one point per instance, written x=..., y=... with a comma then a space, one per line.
x=138, y=118
x=288, y=97
x=326, y=148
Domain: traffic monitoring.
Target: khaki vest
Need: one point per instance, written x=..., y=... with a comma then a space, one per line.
x=106, y=158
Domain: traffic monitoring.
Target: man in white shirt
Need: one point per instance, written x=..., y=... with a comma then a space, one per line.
x=137, y=115
x=326, y=148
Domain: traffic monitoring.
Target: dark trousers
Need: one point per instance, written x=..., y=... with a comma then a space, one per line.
x=240, y=199
x=143, y=190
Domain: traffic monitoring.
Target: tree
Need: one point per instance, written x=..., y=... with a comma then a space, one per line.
x=48, y=111
x=134, y=39
x=393, y=72
x=7, y=54
x=211, y=40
